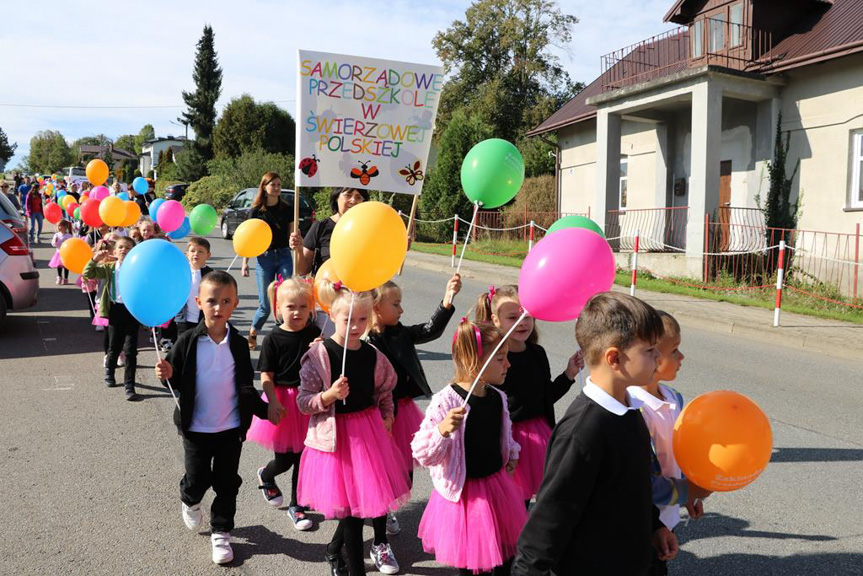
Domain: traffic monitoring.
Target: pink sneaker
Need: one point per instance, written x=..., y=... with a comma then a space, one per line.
x=58, y=282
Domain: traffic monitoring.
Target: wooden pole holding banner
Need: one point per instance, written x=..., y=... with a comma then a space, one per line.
x=297, y=226
x=411, y=224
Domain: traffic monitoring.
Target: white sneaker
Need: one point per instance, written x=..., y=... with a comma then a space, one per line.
x=384, y=559
x=192, y=516
x=393, y=526
x=105, y=361
x=222, y=552
x=121, y=360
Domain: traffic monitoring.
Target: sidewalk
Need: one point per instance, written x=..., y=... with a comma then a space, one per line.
x=803, y=332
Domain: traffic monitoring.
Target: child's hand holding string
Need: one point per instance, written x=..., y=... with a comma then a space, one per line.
x=163, y=370
x=575, y=365
x=453, y=287
x=338, y=391
x=452, y=422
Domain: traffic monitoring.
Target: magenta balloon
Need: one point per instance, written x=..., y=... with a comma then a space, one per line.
x=563, y=271
x=170, y=216
x=99, y=193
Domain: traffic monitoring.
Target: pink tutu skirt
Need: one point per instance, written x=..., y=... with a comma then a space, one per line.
x=407, y=423
x=290, y=434
x=532, y=435
x=363, y=478
x=55, y=261
x=480, y=531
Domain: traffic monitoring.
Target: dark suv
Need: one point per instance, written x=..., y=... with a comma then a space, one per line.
x=175, y=192
x=240, y=207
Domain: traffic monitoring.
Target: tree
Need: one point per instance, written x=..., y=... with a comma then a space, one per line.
x=6, y=150
x=201, y=104
x=126, y=142
x=146, y=133
x=778, y=210
x=49, y=152
x=246, y=125
x=191, y=166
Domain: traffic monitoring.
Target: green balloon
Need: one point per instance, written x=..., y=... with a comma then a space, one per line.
x=492, y=173
x=576, y=222
x=203, y=219
x=77, y=214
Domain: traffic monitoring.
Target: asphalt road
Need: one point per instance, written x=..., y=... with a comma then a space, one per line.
x=89, y=482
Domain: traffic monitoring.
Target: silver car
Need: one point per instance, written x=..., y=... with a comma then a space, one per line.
x=19, y=280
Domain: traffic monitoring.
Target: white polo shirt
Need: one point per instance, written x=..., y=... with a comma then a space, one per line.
x=192, y=310
x=608, y=401
x=217, y=407
x=660, y=416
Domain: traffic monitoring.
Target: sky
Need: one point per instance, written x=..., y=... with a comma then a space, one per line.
x=78, y=67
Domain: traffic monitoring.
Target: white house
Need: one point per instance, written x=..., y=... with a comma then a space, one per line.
x=149, y=155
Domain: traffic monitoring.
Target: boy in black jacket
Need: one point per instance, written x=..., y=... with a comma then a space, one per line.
x=594, y=513
x=212, y=372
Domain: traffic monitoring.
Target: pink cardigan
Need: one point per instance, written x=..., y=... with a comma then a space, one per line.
x=315, y=379
x=445, y=457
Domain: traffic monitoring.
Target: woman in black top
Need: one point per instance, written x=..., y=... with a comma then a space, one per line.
x=316, y=244
x=269, y=207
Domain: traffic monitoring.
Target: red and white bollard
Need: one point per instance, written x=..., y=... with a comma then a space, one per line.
x=634, y=264
x=530, y=238
x=780, y=279
x=454, y=239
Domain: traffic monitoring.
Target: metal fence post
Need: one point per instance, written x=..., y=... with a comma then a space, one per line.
x=706, y=245
x=634, y=263
x=780, y=279
x=454, y=239
x=530, y=241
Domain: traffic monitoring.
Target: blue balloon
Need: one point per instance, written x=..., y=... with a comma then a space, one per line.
x=154, y=281
x=60, y=194
x=183, y=230
x=123, y=196
x=154, y=207
x=140, y=185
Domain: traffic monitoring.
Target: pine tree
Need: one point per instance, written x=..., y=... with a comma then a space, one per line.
x=6, y=150
x=201, y=111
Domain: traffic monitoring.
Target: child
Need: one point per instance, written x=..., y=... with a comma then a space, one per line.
x=594, y=513
x=530, y=391
x=349, y=468
x=661, y=405
x=212, y=372
x=148, y=229
x=475, y=514
x=197, y=253
x=122, y=326
x=63, y=233
x=279, y=364
x=398, y=343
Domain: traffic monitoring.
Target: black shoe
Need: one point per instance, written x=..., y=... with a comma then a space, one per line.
x=110, y=382
x=337, y=564
x=130, y=393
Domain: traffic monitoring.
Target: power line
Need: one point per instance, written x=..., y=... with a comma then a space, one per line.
x=76, y=107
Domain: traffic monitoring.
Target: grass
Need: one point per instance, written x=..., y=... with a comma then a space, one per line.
x=488, y=251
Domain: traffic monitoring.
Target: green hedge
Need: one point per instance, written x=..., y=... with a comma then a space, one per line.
x=216, y=191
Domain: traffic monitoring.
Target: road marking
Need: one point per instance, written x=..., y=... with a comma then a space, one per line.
x=58, y=387
x=49, y=339
x=43, y=321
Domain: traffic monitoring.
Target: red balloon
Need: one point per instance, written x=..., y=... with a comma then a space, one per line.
x=70, y=210
x=53, y=212
x=90, y=213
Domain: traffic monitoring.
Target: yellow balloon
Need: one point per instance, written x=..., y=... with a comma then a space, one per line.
x=112, y=211
x=133, y=213
x=84, y=198
x=97, y=172
x=66, y=200
x=368, y=245
x=75, y=253
x=252, y=238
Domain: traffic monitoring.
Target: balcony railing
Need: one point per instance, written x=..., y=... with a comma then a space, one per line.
x=708, y=41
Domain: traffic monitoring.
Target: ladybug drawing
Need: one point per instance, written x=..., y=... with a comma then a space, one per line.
x=309, y=166
x=412, y=174
x=366, y=174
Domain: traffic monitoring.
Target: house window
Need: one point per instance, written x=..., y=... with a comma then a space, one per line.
x=857, y=171
x=698, y=39
x=717, y=33
x=736, y=24
x=624, y=181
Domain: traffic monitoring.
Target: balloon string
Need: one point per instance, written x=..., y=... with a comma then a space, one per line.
x=490, y=356
x=159, y=356
x=347, y=335
x=92, y=304
x=231, y=265
x=467, y=238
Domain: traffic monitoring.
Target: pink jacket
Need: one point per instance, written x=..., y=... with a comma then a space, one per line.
x=315, y=379
x=445, y=457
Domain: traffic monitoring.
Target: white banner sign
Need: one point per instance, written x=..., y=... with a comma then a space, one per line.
x=363, y=122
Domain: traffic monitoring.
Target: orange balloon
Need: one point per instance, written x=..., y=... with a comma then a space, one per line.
x=368, y=245
x=133, y=213
x=112, y=211
x=97, y=172
x=84, y=198
x=722, y=441
x=326, y=273
x=75, y=253
x=252, y=238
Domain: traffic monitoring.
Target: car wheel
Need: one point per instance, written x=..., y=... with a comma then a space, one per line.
x=226, y=234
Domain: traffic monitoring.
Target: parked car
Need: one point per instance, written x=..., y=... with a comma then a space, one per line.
x=10, y=216
x=19, y=280
x=240, y=207
x=175, y=192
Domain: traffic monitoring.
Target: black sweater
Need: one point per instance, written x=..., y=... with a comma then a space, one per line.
x=183, y=358
x=530, y=391
x=594, y=513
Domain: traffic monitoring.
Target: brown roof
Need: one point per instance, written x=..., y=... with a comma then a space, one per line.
x=826, y=35
x=118, y=153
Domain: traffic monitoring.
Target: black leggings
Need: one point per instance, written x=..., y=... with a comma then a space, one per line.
x=62, y=272
x=281, y=463
x=349, y=533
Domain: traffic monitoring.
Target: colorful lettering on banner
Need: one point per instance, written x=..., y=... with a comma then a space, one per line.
x=364, y=122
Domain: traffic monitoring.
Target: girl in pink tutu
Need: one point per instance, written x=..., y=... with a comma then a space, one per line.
x=279, y=363
x=530, y=391
x=475, y=514
x=349, y=469
x=398, y=343
x=63, y=233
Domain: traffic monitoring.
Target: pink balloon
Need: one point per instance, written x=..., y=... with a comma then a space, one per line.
x=99, y=193
x=170, y=215
x=562, y=272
